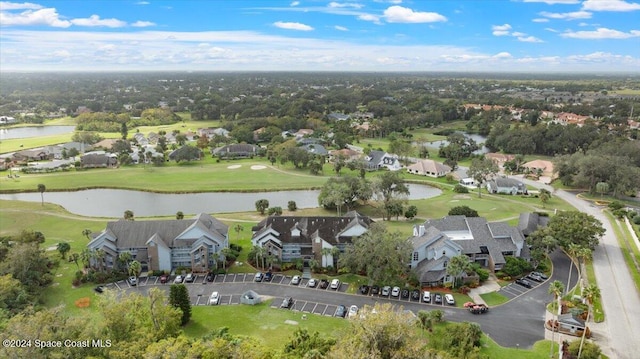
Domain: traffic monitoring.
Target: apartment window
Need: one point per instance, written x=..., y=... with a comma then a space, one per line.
x=415, y=256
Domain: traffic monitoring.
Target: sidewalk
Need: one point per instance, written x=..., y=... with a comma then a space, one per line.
x=490, y=285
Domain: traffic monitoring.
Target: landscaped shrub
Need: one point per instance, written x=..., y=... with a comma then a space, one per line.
x=464, y=290
x=275, y=211
x=222, y=271
x=460, y=189
x=516, y=266
x=464, y=211
x=292, y=206
x=235, y=247
x=615, y=205
x=636, y=220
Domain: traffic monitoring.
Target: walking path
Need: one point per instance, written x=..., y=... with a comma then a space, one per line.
x=490, y=285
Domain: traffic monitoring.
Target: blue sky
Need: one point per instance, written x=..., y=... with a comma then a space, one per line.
x=315, y=35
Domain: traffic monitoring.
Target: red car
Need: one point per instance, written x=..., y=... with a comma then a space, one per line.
x=164, y=279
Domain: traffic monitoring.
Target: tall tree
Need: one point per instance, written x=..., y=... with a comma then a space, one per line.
x=556, y=288
x=456, y=267
x=238, y=228
x=390, y=186
x=41, y=189
x=179, y=215
x=128, y=215
x=63, y=248
x=135, y=268
x=179, y=298
x=590, y=294
x=572, y=250
x=382, y=255
x=481, y=170
x=262, y=205
x=576, y=227
x=86, y=232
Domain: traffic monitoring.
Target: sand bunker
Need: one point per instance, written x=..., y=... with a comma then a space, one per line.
x=258, y=167
x=233, y=167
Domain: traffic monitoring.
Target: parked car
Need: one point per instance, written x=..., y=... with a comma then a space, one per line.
x=287, y=303
x=415, y=294
x=341, y=311
x=164, y=279
x=295, y=280
x=353, y=311
x=449, y=299
x=523, y=282
x=133, y=281
x=335, y=284
x=312, y=283
x=99, y=289
x=364, y=289
x=405, y=294
x=189, y=278
x=395, y=292
x=178, y=279
x=478, y=309
x=324, y=283
x=386, y=290
x=375, y=290
x=541, y=275
x=535, y=277
x=268, y=276
x=210, y=276
x=437, y=298
x=214, y=299
x=258, y=277
x=426, y=296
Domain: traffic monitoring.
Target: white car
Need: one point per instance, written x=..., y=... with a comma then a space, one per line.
x=178, y=279
x=189, y=278
x=386, y=290
x=395, y=291
x=335, y=284
x=449, y=299
x=133, y=281
x=312, y=283
x=214, y=299
x=426, y=296
x=295, y=280
x=353, y=311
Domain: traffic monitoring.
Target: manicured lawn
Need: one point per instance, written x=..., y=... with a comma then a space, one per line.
x=259, y=321
x=494, y=298
x=173, y=178
x=538, y=351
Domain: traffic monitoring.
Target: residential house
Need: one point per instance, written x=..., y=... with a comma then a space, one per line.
x=570, y=324
x=345, y=153
x=567, y=118
x=7, y=120
x=338, y=116
x=468, y=182
x=237, y=150
x=499, y=158
x=315, y=149
x=289, y=238
x=99, y=159
x=164, y=244
x=505, y=185
x=633, y=125
x=303, y=132
x=438, y=240
x=542, y=167
x=106, y=144
x=379, y=159
x=175, y=154
x=429, y=168
x=34, y=154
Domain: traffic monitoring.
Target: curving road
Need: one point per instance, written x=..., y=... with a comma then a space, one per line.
x=620, y=299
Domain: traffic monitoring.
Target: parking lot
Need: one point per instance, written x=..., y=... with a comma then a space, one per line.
x=514, y=290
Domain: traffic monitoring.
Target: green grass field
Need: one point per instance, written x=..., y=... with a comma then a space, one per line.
x=494, y=298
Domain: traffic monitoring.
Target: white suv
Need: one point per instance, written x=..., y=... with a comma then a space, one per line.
x=426, y=296
x=395, y=291
x=335, y=284
x=449, y=299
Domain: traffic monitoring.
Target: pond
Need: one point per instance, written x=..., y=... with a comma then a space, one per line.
x=35, y=131
x=113, y=202
x=478, y=138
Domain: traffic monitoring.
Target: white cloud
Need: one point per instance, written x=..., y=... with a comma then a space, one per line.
x=601, y=33
x=553, y=2
x=292, y=26
x=529, y=39
x=5, y=5
x=340, y=28
x=501, y=30
x=352, y=5
x=143, y=3
x=95, y=21
x=49, y=17
x=567, y=15
x=550, y=29
x=405, y=15
x=294, y=3
x=609, y=5
x=502, y=55
x=540, y=20
x=518, y=34
x=369, y=17
x=143, y=24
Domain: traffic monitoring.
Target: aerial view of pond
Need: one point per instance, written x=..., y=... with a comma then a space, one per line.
x=478, y=138
x=35, y=131
x=113, y=202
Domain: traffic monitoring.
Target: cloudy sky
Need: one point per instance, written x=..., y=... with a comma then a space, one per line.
x=318, y=35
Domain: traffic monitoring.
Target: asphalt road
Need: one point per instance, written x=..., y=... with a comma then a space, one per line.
x=620, y=299
x=519, y=323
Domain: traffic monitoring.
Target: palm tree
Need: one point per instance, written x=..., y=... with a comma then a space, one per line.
x=86, y=256
x=226, y=251
x=41, y=189
x=75, y=257
x=259, y=255
x=556, y=288
x=135, y=268
x=179, y=215
x=456, y=266
x=128, y=215
x=99, y=255
x=125, y=258
x=584, y=254
x=335, y=252
x=238, y=228
x=63, y=248
x=86, y=232
x=590, y=294
x=325, y=252
x=572, y=250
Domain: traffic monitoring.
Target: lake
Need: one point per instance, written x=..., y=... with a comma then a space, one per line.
x=35, y=131
x=477, y=138
x=113, y=202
